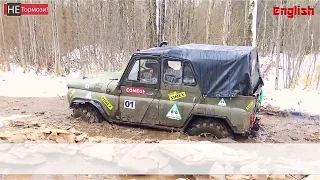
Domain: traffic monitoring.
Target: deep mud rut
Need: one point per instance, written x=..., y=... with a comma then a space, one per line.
x=19, y=118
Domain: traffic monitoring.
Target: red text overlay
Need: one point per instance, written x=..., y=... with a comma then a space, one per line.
x=290, y=12
x=18, y=9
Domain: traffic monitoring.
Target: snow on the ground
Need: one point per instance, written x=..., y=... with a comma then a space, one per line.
x=295, y=100
x=18, y=84
x=298, y=99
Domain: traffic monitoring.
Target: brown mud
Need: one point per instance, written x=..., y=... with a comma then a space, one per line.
x=39, y=113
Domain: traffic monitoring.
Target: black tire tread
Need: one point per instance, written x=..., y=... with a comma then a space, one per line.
x=87, y=113
x=211, y=126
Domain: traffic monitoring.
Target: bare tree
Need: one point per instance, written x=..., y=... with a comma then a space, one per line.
x=254, y=13
x=55, y=38
x=152, y=26
x=208, y=20
x=22, y=60
x=5, y=61
x=278, y=50
x=227, y=21
x=162, y=17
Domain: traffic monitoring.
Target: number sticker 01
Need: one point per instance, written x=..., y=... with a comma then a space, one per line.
x=129, y=104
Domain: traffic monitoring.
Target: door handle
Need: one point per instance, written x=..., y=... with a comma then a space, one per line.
x=149, y=94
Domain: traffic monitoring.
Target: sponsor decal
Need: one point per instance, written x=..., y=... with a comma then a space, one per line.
x=106, y=102
x=174, y=96
x=72, y=93
x=134, y=90
x=174, y=113
x=222, y=103
x=88, y=96
x=249, y=106
x=129, y=104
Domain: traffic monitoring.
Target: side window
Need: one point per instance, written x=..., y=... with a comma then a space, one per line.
x=144, y=71
x=188, y=76
x=172, y=72
x=133, y=75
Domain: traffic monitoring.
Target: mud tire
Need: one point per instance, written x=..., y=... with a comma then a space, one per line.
x=209, y=127
x=87, y=113
x=76, y=113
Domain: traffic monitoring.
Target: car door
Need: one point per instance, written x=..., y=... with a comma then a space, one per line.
x=139, y=88
x=177, y=97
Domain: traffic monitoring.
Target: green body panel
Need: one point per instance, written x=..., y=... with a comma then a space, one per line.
x=235, y=110
x=185, y=104
x=99, y=82
x=146, y=106
x=96, y=96
x=153, y=105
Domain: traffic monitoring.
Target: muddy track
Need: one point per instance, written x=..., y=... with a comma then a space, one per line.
x=54, y=112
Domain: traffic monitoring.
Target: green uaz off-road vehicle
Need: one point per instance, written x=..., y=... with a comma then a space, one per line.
x=193, y=88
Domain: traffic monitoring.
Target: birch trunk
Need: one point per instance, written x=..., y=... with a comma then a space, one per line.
x=264, y=44
x=23, y=63
x=208, y=19
x=227, y=21
x=163, y=18
x=5, y=61
x=278, y=51
x=252, y=22
x=245, y=25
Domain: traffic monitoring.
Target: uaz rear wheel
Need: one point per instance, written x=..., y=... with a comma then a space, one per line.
x=209, y=127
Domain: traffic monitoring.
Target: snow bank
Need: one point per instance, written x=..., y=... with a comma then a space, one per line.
x=298, y=99
x=294, y=100
x=18, y=84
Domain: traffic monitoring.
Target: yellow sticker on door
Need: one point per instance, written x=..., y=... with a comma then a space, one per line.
x=249, y=106
x=106, y=102
x=72, y=93
x=174, y=96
